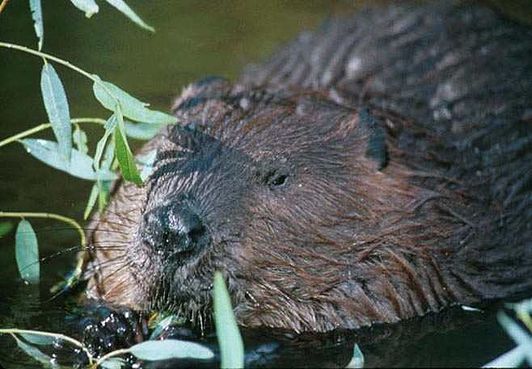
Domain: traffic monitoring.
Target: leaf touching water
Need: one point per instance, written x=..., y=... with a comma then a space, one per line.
x=109, y=95
x=170, y=349
x=36, y=14
x=88, y=6
x=56, y=105
x=80, y=165
x=128, y=12
x=27, y=252
x=229, y=338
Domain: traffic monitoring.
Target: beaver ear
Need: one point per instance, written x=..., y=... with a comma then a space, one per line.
x=205, y=89
x=373, y=128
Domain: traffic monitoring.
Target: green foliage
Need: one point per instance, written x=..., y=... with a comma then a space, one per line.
x=229, y=338
x=357, y=361
x=27, y=252
x=521, y=336
x=56, y=105
x=36, y=14
x=170, y=349
x=89, y=7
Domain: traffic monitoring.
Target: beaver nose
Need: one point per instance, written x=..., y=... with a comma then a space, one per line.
x=173, y=228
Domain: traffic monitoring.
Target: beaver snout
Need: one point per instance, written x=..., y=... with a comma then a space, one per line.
x=175, y=230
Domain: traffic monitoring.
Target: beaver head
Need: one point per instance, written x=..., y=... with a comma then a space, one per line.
x=292, y=197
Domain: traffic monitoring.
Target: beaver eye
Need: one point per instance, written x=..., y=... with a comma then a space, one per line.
x=275, y=179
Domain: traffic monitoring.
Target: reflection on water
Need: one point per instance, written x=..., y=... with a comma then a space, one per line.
x=193, y=39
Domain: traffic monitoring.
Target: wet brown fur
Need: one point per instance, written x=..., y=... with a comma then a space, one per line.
x=347, y=243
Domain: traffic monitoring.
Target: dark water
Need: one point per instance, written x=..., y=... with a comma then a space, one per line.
x=193, y=39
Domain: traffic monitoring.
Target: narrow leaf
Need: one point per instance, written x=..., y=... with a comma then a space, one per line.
x=142, y=131
x=5, y=228
x=100, y=146
x=109, y=95
x=170, y=349
x=36, y=14
x=123, y=152
x=357, y=361
x=27, y=252
x=511, y=359
x=80, y=165
x=56, y=104
x=92, y=200
x=88, y=6
x=128, y=12
x=38, y=339
x=113, y=363
x=229, y=339
x=37, y=354
x=163, y=325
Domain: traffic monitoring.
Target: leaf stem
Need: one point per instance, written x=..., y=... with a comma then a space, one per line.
x=110, y=355
x=67, y=64
x=44, y=126
x=14, y=331
x=72, y=222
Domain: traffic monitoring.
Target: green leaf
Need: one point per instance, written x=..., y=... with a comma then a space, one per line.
x=511, y=359
x=113, y=363
x=88, y=6
x=142, y=131
x=92, y=200
x=357, y=361
x=36, y=14
x=36, y=354
x=128, y=12
x=56, y=104
x=80, y=165
x=170, y=349
x=163, y=324
x=80, y=140
x=229, y=339
x=38, y=339
x=123, y=152
x=27, y=252
x=5, y=228
x=100, y=146
x=109, y=95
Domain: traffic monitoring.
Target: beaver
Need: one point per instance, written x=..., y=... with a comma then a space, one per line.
x=374, y=170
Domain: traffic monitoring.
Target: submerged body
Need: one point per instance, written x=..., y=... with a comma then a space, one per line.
x=375, y=170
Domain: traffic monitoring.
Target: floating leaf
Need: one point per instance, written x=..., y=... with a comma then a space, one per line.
x=56, y=104
x=36, y=14
x=5, y=228
x=80, y=165
x=88, y=6
x=142, y=131
x=123, y=152
x=128, y=12
x=37, y=354
x=229, y=338
x=357, y=361
x=27, y=252
x=80, y=140
x=170, y=349
x=109, y=95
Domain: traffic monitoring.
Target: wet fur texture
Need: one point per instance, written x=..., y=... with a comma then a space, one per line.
x=375, y=170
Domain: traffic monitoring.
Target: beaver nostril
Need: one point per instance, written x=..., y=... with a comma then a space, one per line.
x=174, y=228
